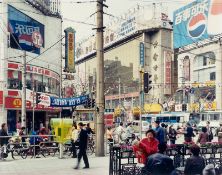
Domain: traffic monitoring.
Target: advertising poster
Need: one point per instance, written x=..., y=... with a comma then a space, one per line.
x=196, y=22
x=25, y=32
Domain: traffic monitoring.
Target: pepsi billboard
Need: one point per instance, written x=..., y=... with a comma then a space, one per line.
x=25, y=31
x=197, y=21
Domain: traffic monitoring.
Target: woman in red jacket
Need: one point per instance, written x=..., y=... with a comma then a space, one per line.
x=146, y=146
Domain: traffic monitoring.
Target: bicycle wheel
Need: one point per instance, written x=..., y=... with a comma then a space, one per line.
x=24, y=153
x=90, y=150
x=69, y=152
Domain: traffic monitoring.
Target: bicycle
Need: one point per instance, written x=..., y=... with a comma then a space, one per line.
x=3, y=152
x=90, y=146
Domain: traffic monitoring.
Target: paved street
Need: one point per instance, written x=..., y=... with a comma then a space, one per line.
x=55, y=166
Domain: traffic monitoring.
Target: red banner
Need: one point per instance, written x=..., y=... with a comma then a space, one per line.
x=108, y=119
x=1, y=97
x=167, y=72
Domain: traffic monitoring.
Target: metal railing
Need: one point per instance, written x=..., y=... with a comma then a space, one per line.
x=123, y=160
x=34, y=145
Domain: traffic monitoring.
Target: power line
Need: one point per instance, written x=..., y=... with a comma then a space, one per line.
x=47, y=49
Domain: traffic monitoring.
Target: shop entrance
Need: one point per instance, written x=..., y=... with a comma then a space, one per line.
x=40, y=118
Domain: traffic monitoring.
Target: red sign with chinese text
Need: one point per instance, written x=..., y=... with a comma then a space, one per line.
x=167, y=72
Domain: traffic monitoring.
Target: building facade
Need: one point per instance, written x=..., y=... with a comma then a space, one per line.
x=27, y=31
x=133, y=46
x=199, y=57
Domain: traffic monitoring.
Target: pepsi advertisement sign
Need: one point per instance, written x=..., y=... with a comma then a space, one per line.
x=197, y=21
x=25, y=31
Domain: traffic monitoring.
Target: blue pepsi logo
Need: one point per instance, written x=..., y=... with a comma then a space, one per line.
x=197, y=25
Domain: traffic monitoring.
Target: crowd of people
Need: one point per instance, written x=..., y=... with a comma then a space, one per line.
x=150, y=150
x=167, y=133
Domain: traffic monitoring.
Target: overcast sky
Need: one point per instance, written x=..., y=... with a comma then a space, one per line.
x=74, y=14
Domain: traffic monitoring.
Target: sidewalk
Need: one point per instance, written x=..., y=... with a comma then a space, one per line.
x=54, y=166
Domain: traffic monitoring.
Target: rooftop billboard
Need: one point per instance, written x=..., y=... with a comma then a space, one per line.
x=25, y=31
x=197, y=21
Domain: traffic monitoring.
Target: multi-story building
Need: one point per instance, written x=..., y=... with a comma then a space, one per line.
x=133, y=44
x=197, y=40
x=26, y=28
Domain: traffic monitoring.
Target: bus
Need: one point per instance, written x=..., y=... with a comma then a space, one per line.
x=213, y=116
x=172, y=117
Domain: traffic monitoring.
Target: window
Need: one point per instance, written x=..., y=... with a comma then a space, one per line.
x=212, y=76
x=14, y=79
x=204, y=61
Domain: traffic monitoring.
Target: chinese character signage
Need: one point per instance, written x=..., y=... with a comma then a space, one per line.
x=70, y=50
x=68, y=102
x=197, y=21
x=127, y=27
x=25, y=31
x=142, y=54
x=167, y=72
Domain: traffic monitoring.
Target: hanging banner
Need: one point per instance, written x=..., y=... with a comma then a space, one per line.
x=70, y=50
x=67, y=102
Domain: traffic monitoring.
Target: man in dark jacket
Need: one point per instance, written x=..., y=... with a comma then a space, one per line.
x=3, y=132
x=188, y=133
x=159, y=132
x=83, y=138
x=159, y=163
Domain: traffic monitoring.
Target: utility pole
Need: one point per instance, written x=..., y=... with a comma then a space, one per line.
x=24, y=90
x=119, y=92
x=141, y=99
x=100, y=99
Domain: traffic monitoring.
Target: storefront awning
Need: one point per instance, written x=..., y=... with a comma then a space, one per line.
x=152, y=108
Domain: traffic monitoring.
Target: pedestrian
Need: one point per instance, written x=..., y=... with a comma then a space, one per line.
x=22, y=133
x=129, y=130
x=172, y=135
x=74, y=140
x=159, y=163
x=146, y=147
x=83, y=138
x=89, y=129
x=209, y=170
x=164, y=127
x=195, y=164
x=209, y=131
x=43, y=134
x=3, y=135
x=120, y=130
x=159, y=132
x=18, y=124
x=203, y=136
x=109, y=134
x=188, y=133
x=219, y=133
x=4, y=140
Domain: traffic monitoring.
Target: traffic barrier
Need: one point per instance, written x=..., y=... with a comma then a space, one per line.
x=123, y=160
